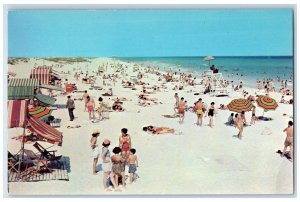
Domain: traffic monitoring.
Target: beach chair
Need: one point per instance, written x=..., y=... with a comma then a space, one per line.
x=48, y=155
x=33, y=165
x=12, y=163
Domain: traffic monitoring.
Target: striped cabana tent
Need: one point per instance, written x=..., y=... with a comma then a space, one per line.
x=17, y=113
x=21, y=89
x=41, y=73
x=45, y=131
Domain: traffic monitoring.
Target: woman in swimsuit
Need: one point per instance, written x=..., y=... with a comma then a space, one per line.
x=125, y=143
x=95, y=150
x=118, y=167
x=158, y=130
x=199, y=111
x=211, y=113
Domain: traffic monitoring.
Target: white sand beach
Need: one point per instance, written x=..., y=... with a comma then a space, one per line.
x=193, y=160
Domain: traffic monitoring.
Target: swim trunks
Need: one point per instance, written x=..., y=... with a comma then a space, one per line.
x=288, y=141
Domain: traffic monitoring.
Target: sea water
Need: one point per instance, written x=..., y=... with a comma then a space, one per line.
x=246, y=69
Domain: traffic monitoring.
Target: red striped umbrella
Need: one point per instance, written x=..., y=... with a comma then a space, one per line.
x=267, y=103
x=40, y=112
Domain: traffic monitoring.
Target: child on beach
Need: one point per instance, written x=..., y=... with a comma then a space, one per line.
x=95, y=150
x=133, y=164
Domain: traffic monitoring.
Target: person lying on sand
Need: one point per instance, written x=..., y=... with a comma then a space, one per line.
x=77, y=126
x=117, y=106
x=158, y=130
x=223, y=107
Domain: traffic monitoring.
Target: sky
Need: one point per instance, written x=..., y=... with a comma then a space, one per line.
x=150, y=33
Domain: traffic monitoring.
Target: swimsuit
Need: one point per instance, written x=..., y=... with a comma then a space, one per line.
x=107, y=166
x=199, y=111
x=118, y=167
x=125, y=144
x=211, y=112
x=288, y=141
x=132, y=168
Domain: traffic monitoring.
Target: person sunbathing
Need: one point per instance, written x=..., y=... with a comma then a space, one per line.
x=223, y=107
x=109, y=93
x=117, y=106
x=158, y=130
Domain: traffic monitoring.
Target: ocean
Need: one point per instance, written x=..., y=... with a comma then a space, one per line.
x=246, y=69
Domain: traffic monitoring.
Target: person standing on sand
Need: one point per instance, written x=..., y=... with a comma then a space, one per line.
x=240, y=121
x=84, y=98
x=125, y=143
x=107, y=165
x=181, y=110
x=90, y=105
x=289, y=141
x=70, y=106
x=176, y=102
x=95, y=149
x=199, y=111
x=211, y=113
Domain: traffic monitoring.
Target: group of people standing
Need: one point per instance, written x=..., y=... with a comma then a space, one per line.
x=113, y=165
x=199, y=109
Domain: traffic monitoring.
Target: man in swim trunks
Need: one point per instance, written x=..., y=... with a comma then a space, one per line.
x=84, y=97
x=289, y=140
x=181, y=109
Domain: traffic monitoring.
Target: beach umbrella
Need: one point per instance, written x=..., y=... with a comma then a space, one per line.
x=267, y=103
x=208, y=58
x=40, y=112
x=239, y=105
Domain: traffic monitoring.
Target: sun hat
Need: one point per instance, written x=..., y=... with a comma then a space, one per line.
x=96, y=131
x=106, y=141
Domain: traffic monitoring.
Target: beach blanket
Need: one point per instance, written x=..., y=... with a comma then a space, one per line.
x=170, y=116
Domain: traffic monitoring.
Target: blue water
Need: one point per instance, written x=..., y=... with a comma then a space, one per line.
x=251, y=68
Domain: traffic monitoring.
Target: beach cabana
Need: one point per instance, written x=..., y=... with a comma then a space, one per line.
x=17, y=113
x=44, y=74
x=21, y=88
x=45, y=131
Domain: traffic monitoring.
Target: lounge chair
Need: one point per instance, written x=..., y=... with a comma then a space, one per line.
x=48, y=155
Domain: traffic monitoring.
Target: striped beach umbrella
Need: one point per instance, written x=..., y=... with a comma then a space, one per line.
x=239, y=105
x=40, y=112
x=267, y=103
